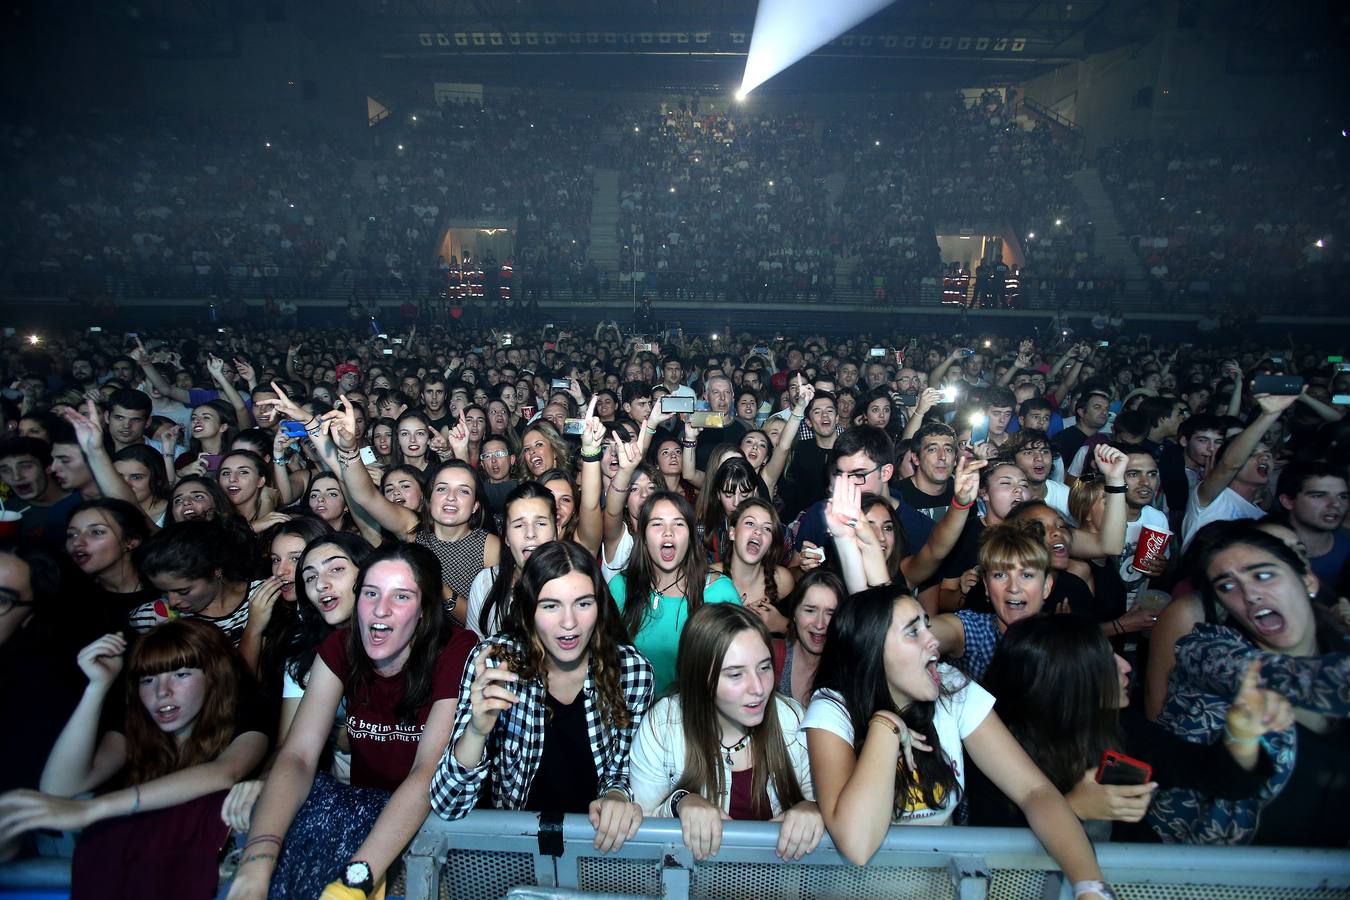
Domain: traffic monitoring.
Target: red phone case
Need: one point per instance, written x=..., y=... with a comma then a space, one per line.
x=1114, y=765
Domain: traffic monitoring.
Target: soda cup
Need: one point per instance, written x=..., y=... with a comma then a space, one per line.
x=11, y=523
x=1152, y=546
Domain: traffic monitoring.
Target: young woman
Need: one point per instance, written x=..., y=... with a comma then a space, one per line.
x=199, y=497
x=189, y=734
x=634, y=483
x=402, y=485
x=145, y=473
x=667, y=579
x=382, y=441
x=752, y=563
x=1064, y=694
x=548, y=707
x=746, y=407
x=327, y=569
x=244, y=477
x=667, y=456
x=542, y=448
x=726, y=745
x=886, y=731
x=203, y=570
x=326, y=502
x=210, y=427
x=732, y=482
x=100, y=539
x=397, y=670
x=1264, y=591
x=813, y=603
x=530, y=521
x=450, y=523
x=412, y=440
x=273, y=616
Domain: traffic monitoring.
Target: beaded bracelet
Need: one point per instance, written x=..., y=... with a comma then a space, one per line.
x=253, y=856
x=1234, y=739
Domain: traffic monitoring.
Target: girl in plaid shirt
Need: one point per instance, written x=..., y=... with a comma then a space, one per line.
x=549, y=706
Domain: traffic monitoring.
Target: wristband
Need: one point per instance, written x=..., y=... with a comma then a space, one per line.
x=1093, y=887
x=1115, y=489
x=592, y=457
x=279, y=460
x=956, y=505
x=690, y=444
x=887, y=722
x=649, y=429
x=253, y=856
x=675, y=800
x=1241, y=741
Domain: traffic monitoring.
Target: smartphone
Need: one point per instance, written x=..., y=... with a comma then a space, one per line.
x=398, y=340
x=388, y=351
x=94, y=329
x=548, y=325
x=979, y=428
x=132, y=335
x=505, y=341
x=645, y=348
x=966, y=352
x=383, y=336
x=950, y=394
x=908, y=400
x=670, y=403
x=292, y=428
x=1277, y=359
x=881, y=351
x=574, y=426
x=1343, y=367
x=1117, y=768
x=1103, y=344
x=1330, y=359
x=479, y=350
x=1278, y=385
x=560, y=384
x=704, y=419
x=761, y=350
x=368, y=456
x=1341, y=399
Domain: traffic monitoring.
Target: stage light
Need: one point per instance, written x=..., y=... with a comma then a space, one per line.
x=1059, y=221
x=34, y=339
x=1320, y=243
x=787, y=30
x=1031, y=236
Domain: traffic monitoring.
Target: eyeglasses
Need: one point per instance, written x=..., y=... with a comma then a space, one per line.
x=858, y=477
x=494, y=454
x=10, y=599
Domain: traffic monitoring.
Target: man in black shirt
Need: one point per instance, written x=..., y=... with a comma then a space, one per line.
x=929, y=489
x=433, y=401
x=1091, y=412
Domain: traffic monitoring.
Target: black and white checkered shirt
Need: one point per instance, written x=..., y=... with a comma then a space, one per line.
x=516, y=745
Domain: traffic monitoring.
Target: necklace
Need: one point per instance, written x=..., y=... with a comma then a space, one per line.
x=735, y=748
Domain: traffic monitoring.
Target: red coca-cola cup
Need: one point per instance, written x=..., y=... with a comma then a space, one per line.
x=11, y=523
x=1152, y=546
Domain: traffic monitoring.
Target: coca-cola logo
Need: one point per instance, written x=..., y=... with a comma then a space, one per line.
x=1155, y=542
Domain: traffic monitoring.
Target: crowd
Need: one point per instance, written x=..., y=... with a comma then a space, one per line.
x=1234, y=220
x=288, y=593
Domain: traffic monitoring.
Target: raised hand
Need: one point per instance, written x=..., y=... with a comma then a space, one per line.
x=593, y=431
x=629, y=455
x=490, y=693
x=1257, y=711
x=966, y=481
x=930, y=398
x=283, y=402
x=843, y=511
x=342, y=424
x=102, y=660
x=1110, y=462
x=88, y=427
x=1272, y=405
x=457, y=436
x=246, y=372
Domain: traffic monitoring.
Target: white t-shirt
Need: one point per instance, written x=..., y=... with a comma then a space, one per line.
x=1057, y=497
x=684, y=390
x=955, y=718
x=478, y=592
x=1134, y=580
x=619, y=563
x=1227, y=507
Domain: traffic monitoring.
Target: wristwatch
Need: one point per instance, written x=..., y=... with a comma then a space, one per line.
x=675, y=799
x=357, y=876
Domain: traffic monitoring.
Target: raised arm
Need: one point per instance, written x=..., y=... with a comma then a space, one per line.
x=843, y=513
x=1240, y=448
x=362, y=493
x=616, y=501
x=216, y=366
x=935, y=376
x=1110, y=540
x=89, y=433
x=590, y=518
x=689, y=456
x=78, y=761
x=919, y=567
x=782, y=448
x=929, y=398
x=182, y=395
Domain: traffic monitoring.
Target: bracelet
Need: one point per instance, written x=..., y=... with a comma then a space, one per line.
x=1115, y=489
x=1115, y=623
x=279, y=460
x=675, y=800
x=649, y=429
x=263, y=839
x=1234, y=739
x=895, y=730
x=136, y=798
x=956, y=505
x=1093, y=887
x=690, y=444
x=592, y=457
x=252, y=856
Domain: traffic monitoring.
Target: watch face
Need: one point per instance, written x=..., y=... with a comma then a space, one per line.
x=356, y=873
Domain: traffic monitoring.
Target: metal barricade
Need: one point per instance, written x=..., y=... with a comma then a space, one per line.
x=491, y=854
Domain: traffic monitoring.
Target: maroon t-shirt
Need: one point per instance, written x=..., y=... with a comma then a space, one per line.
x=383, y=749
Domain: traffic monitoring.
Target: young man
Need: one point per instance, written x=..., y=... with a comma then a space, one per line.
x=1183, y=463
x=68, y=464
x=496, y=463
x=637, y=401
x=1091, y=412
x=672, y=375
x=1141, y=487
x=998, y=409
x=1163, y=416
x=129, y=412
x=929, y=490
x=865, y=454
x=1233, y=483
x=1035, y=456
x=1314, y=497
x=804, y=482
x=433, y=401
x=36, y=496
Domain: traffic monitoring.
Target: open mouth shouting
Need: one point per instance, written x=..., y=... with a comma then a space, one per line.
x=815, y=639
x=1266, y=621
x=80, y=557
x=1060, y=551
x=378, y=633
x=567, y=643
x=667, y=552
x=328, y=602
x=931, y=667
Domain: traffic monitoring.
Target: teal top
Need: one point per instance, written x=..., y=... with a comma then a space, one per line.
x=659, y=637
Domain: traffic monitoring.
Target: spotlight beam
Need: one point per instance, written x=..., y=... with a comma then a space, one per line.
x=788, y=30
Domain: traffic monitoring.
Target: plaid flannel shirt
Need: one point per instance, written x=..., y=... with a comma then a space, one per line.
x=516, y=745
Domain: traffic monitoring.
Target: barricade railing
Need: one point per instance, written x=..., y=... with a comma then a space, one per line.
x=492, y=854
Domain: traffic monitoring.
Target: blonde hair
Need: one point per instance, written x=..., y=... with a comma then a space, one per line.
x=1013, y=545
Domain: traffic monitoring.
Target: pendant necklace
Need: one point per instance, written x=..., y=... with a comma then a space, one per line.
x=735, y=748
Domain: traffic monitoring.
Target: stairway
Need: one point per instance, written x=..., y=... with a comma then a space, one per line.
x=604, y=247
x=1110, y=242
